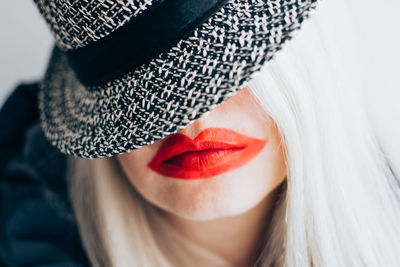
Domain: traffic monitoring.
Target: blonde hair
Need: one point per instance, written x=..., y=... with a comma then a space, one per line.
x=340, y=204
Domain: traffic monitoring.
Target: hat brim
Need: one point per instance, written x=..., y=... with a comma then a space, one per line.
x=172, y=90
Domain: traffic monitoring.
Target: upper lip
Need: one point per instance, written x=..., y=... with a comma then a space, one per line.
x=210, y=138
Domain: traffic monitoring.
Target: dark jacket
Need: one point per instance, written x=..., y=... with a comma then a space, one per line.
x=37, y=226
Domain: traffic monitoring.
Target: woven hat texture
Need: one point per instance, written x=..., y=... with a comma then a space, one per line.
x=172, y=90
x=75, y=24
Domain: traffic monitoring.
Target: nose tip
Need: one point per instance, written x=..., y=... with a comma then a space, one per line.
x=193, y=129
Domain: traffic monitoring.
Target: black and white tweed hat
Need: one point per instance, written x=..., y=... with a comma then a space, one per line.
x=126, y=73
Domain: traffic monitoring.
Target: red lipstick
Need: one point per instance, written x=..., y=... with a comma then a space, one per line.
x=213, y=152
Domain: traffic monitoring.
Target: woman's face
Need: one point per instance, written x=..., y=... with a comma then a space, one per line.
x=221, y=165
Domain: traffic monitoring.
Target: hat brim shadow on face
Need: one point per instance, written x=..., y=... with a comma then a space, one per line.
x=171, y=91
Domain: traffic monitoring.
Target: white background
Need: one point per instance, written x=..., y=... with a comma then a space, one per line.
x=25, y=44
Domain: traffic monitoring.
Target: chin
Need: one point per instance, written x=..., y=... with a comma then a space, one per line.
x=210, y=199
x=207, y=211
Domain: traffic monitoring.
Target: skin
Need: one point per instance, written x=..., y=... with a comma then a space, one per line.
x=236, y=205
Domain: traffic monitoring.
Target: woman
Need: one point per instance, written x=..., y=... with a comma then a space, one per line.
x=271, y=166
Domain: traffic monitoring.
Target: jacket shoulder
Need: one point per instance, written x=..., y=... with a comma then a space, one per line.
x=17, y=114
x=37, y=226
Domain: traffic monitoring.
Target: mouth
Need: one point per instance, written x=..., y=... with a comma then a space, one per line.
x=214, y=151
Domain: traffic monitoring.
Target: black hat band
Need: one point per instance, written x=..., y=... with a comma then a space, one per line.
x=140, y=40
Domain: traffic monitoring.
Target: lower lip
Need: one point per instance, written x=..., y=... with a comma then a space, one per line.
x=208, y=163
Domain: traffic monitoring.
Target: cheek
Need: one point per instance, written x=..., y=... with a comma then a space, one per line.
x=242, y=113
x=134, y=165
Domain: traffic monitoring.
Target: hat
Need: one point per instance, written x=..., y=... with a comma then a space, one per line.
x=126, y=73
